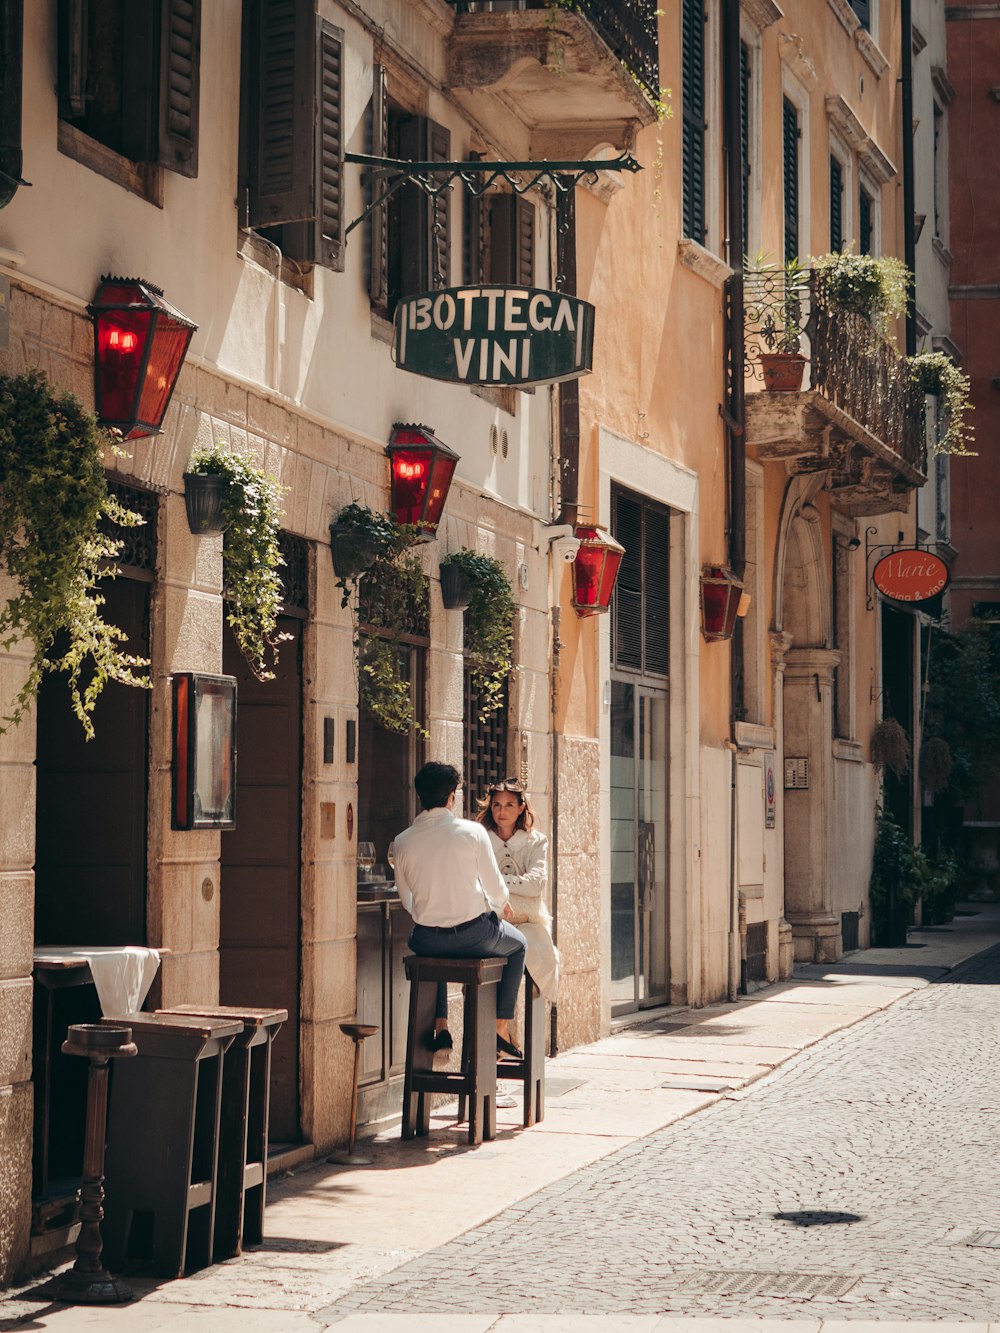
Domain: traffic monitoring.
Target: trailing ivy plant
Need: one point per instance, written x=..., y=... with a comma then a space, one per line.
x=936, y=373
x=251, y=555
x=53, y=500
x=392, y=598
x=874, y=286
x=489, y=625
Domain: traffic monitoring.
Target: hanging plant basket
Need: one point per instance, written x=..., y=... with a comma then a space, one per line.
x=204, y=500
x=352, y=551
x=456, y=587
x=782, y=371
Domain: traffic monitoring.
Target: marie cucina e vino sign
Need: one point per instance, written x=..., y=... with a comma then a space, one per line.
x=495, y=335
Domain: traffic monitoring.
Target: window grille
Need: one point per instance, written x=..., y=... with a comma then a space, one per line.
x=865, y=221
x=756, y=959
x=485, y=745
x=138, y=554
x=640, y=607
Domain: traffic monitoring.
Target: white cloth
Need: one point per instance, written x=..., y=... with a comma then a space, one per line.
x=122, y=975
x=446, y=872
x=524, y=864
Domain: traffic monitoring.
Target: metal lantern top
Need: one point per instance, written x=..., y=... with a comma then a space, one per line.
x=420, y=473
x=721, y=591
x=140, y=341
x=595, y=570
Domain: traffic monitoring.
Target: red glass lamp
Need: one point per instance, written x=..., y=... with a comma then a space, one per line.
x=595, y=570
x=420, y=473
x=140, y=342
x=721, y=592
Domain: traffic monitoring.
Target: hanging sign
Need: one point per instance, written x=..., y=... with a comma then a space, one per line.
x=495, y=335
x=912, y=576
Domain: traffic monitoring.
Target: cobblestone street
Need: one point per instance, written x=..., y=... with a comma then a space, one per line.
x=846, y=1185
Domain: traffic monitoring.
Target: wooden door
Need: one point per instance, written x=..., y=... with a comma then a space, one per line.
x=90, y=814
x=260, y=911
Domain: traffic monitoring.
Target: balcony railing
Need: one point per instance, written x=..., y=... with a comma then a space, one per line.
x=628, y=29
x=849, y=363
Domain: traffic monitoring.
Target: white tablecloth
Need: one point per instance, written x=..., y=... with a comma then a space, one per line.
x=122, y=975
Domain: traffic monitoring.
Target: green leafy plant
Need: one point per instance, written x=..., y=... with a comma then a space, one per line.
x=251, y=554
x=489, y=625
x=963, y=710
x=873, y=286
x=773, y=300
x=53, y=500
x=937, y=374
x=392, y=598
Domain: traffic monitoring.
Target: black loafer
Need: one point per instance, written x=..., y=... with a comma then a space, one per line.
x=441, y=1041
x=508, y=1049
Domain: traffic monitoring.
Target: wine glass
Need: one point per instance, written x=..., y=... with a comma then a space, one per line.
x=366, y=855
x=390, y=854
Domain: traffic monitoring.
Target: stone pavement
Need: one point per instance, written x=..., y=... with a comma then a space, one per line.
x=773, y=1159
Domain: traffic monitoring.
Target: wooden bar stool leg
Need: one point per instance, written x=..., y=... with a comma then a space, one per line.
x=483, y=1113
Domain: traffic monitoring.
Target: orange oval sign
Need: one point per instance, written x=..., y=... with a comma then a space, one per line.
x=910, y=576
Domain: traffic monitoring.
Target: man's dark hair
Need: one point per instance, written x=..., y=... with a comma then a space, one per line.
x=435, y=783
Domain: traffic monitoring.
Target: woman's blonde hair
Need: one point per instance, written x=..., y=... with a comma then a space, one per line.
x=525, y=819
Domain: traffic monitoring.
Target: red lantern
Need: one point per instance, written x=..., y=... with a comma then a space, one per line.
x=140, y=342
x=595, y=570
x=420, y=473
x=721, y=592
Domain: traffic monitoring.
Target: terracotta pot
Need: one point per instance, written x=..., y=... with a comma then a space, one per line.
x=203, y=496
x=456, y=591
x=783, y=371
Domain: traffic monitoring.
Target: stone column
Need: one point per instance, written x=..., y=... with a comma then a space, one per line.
x=780, y=644
x=808, y=730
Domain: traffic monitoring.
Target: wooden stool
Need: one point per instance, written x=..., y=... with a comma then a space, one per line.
x=477, y=1078
x=243, y=1128
x=531, y=1070
x=163, y=1141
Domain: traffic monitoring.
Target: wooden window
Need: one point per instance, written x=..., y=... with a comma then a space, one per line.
x=129, y=77
x=866, y=221
x=11, y=67
x=693, y=75
x=291, y=135
x=836, y=205
x=745, y=167
x=790, y=155
x=500, y=240
x=641, y=603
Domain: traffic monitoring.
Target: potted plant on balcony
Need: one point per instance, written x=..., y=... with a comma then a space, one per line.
x=872, y=286
x=773, y=301
x=937, y=374
x=55, y=509
x=489, y=623
x=249, y=512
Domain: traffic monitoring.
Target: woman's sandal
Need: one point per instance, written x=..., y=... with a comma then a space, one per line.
x=507, y=1050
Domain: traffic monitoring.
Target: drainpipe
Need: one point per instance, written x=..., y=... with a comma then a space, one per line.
x=909, y=241
x=734, y=416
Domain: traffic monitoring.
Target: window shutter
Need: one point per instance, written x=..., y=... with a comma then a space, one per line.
x=328, y=247
x=863, y=10
x=378, y=235
x=693, y=74
x=836, y=206
x=282, y=170
x=790, y=146
x=864, y=222
x=11, y=66
x=180, y=54
x=72, y=59
x=627, y=638
x=656, y=592
x=139, y=112
x=424, y=228
x=475, y=239
x=745, y=137
x=512, y=240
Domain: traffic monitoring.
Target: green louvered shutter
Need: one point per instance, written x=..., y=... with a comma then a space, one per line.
x=745, y=136
x=328, y=241
x=693, y=75
x=864, y=222
x=281, y=185
x=378, y=230
x=180, y=58
x=790, y=152
x=863, y=9
x=836, y=205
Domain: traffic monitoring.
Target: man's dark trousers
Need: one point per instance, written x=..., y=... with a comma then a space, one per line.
x=485, y=936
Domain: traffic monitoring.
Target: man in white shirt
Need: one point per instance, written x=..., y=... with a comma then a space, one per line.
x=449, y=881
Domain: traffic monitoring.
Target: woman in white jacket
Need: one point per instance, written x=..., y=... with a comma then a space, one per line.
x=523, y=856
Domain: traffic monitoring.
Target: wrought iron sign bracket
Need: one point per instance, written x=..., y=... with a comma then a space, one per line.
x=389, y=174
x=878, y=549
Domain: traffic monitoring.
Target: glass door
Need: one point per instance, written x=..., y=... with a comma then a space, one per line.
x=639, y=829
